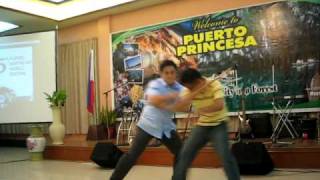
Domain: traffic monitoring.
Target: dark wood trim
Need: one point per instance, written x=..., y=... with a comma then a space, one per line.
x=207, y=158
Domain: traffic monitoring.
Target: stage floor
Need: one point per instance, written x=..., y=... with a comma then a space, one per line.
x=299, y=154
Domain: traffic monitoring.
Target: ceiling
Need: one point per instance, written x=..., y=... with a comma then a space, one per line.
x=34, y=21
x=28, y=23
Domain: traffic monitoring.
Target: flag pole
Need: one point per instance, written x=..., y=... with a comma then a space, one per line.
x=96, y=104
x=91, y=99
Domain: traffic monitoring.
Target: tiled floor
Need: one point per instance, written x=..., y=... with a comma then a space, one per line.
x=62, y=170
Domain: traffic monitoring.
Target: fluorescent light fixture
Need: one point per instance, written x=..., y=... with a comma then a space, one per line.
x=4, y=26
x=57, y=1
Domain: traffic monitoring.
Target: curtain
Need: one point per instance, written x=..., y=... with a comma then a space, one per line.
x=72, y=76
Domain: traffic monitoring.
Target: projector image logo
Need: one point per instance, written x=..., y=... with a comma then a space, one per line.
x=2, y=68
x=6, y=96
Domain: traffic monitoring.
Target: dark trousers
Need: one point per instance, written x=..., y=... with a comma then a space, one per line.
x=140, y=142
x=198, y=138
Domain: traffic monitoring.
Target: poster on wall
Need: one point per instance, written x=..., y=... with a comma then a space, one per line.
x=275, y=49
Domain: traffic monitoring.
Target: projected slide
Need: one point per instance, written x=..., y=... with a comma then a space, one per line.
x=16, y=79
x=27, y=70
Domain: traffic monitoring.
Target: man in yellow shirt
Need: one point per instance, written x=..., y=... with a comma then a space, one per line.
x=211, y=125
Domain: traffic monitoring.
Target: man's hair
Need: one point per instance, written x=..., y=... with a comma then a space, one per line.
x=189, y=75
x=167, y=63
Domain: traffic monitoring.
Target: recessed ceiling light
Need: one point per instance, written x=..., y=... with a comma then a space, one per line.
x=4, y=26
x=56, y=1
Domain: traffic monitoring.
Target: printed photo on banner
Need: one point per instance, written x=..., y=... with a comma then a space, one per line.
x=132, y=62
x=131, y=49
x=135, y=76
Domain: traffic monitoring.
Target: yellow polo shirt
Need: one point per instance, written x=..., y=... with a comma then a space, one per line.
x=206, y=98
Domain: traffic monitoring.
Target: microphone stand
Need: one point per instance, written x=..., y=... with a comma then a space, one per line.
x=106, y=93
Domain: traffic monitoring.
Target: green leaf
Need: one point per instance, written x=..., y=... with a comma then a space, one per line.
x=58, y=98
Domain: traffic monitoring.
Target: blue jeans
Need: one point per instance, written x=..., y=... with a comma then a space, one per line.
x=128, y=160
x=199, y=137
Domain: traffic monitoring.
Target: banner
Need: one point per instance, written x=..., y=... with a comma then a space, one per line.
x=275, y=49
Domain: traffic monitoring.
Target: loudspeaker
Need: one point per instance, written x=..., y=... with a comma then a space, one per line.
x=261, y=125
x=106, y=155
x=253, y=158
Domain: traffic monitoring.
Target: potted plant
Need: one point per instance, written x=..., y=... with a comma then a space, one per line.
x=56, y=102
x=108, y=119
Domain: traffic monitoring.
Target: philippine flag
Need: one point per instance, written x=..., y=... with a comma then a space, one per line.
x=90, y=97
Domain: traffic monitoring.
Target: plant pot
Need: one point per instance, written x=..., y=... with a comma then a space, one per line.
x=111, y=132
x=96, y=132
x=56, y=129
x=36, y=143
